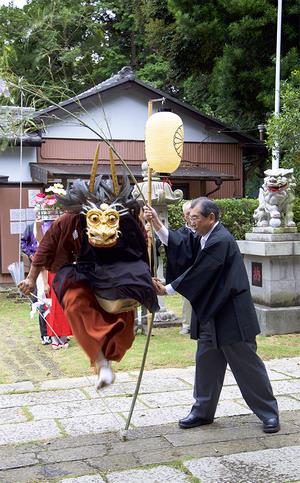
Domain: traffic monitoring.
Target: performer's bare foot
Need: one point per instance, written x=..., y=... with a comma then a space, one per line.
x=106, y=375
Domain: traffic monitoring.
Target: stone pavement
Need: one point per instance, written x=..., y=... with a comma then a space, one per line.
x=62, y=430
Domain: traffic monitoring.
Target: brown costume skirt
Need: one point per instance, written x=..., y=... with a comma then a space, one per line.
x=96, y=329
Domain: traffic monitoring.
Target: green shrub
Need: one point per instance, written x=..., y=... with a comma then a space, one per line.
x=236, y=215
x=297, y=212
x=175, y=217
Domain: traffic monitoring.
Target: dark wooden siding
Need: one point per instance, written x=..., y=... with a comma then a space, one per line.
x=220, y=157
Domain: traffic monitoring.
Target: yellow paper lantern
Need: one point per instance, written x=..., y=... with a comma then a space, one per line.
x=164, y=141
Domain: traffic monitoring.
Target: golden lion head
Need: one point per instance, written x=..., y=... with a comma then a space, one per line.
x=103, y=226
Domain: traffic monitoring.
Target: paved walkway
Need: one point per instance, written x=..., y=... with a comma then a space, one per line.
x=64, y=431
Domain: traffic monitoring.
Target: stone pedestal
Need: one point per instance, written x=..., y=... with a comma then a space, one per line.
x=165, y=317
x=272, y=262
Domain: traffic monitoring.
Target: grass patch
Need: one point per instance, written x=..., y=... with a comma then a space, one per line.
x=27, y=413
x=20, y=335
x=278, y=346
x=163, y=350
x=174, y=303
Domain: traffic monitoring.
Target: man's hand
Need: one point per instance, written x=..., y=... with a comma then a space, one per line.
x=151, y=215
x=26, y=286
x=159, y=286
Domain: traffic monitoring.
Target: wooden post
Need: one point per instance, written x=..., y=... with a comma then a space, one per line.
x=149, y=200
x=150, y=108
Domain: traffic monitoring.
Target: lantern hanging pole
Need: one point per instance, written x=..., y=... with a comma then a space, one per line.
x=149, y=197
x=150, y=104
x=151, y=242
x=150, y=315
x=149, y=200
x=138, y=384
x=177, y=145
x=151, y=239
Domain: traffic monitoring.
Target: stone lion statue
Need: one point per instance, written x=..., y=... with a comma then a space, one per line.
x=276, y=199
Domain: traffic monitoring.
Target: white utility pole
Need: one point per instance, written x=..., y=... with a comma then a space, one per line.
x=275, y=151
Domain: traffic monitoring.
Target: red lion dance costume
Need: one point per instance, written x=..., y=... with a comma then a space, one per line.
x=99, y=253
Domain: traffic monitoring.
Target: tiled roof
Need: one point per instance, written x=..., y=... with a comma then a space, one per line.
x=126, y=74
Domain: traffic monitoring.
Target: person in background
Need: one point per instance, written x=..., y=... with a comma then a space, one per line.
x=186, y=306
x=58, y=327
x=29, y=242
x=29, y=245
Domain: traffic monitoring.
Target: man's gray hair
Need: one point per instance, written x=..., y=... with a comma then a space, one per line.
x=186, y=205
x=207, y=206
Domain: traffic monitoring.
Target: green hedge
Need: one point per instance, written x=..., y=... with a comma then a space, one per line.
x=236, y=215
x=297, y=212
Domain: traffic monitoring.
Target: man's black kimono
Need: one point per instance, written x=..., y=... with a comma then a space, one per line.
x=215, y=281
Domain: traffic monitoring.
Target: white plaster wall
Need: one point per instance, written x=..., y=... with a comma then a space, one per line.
x=125, y=111
x=10, y=163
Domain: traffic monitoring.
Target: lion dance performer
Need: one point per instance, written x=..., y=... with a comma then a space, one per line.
x=99, y=253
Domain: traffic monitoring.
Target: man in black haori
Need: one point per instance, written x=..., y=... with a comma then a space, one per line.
x=209, y=271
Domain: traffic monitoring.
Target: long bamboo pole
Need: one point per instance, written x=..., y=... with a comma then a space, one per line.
x=150, y=316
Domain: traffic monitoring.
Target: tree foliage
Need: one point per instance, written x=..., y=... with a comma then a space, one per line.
x=228, y=47
x=285, y=128
x=50, y=44
x=218, y=55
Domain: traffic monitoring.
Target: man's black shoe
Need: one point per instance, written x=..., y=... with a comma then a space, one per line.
x=271, y=425
x=192, y=421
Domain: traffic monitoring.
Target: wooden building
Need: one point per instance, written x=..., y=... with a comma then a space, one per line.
x=117, y=110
